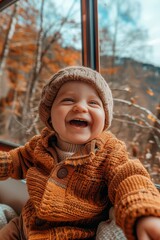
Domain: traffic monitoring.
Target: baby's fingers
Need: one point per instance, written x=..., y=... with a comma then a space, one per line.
x=142, y=235
x=148, y=228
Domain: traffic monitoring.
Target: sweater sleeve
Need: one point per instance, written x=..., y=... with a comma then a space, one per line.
x=130, y=190
x=16, y=162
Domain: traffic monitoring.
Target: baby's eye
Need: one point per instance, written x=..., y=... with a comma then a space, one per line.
x=68, y=100
x=94, y=102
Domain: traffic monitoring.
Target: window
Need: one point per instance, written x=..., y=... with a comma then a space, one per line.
x=37, y=39
x=130, y=61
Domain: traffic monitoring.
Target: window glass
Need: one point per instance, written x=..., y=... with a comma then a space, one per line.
x=37, y=39
x=130, y=61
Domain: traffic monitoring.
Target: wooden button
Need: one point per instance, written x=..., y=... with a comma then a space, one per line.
x=62, y=172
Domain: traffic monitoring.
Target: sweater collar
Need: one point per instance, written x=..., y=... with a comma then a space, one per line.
x=68, y=147
x=83, y=154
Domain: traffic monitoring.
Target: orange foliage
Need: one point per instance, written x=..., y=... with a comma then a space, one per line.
x=152, y=118
x=59, y=57
x=133, y=100
x=20, y=61
x=150, y=92
x=110, y=70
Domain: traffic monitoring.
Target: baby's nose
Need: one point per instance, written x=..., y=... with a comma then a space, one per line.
x=80, y=108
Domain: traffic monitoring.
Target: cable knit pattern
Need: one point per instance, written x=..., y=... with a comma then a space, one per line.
x=69, y=198
x=60, y=233
x=5, y=165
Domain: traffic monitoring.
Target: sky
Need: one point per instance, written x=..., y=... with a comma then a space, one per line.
x=150, y=19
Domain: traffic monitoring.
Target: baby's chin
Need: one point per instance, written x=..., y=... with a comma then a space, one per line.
x=78, y=139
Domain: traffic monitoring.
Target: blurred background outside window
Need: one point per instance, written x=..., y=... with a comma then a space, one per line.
x=130, y=59
x=40, y=37
x=37, y=39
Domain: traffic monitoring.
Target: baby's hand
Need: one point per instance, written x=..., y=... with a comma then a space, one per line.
x=148, y=228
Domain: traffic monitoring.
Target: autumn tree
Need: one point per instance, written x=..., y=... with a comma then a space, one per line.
x=134, y=84
x=120, y=32
x=35, y=52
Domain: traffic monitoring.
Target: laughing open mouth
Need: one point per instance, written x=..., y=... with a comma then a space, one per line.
x=79, y=123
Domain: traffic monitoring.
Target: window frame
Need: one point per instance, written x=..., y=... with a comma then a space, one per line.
x=90, y=38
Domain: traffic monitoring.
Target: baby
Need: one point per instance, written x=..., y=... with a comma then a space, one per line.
x=76, y=169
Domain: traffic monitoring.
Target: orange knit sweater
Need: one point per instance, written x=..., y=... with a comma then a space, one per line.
x=69, y=198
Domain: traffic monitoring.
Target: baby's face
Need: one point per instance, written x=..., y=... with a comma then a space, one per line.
x=77, y=113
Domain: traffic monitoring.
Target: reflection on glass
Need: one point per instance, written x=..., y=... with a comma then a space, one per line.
x=37, y=39
x=130, y=60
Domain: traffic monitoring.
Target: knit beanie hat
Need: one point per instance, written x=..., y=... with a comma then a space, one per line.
x=75, y=73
